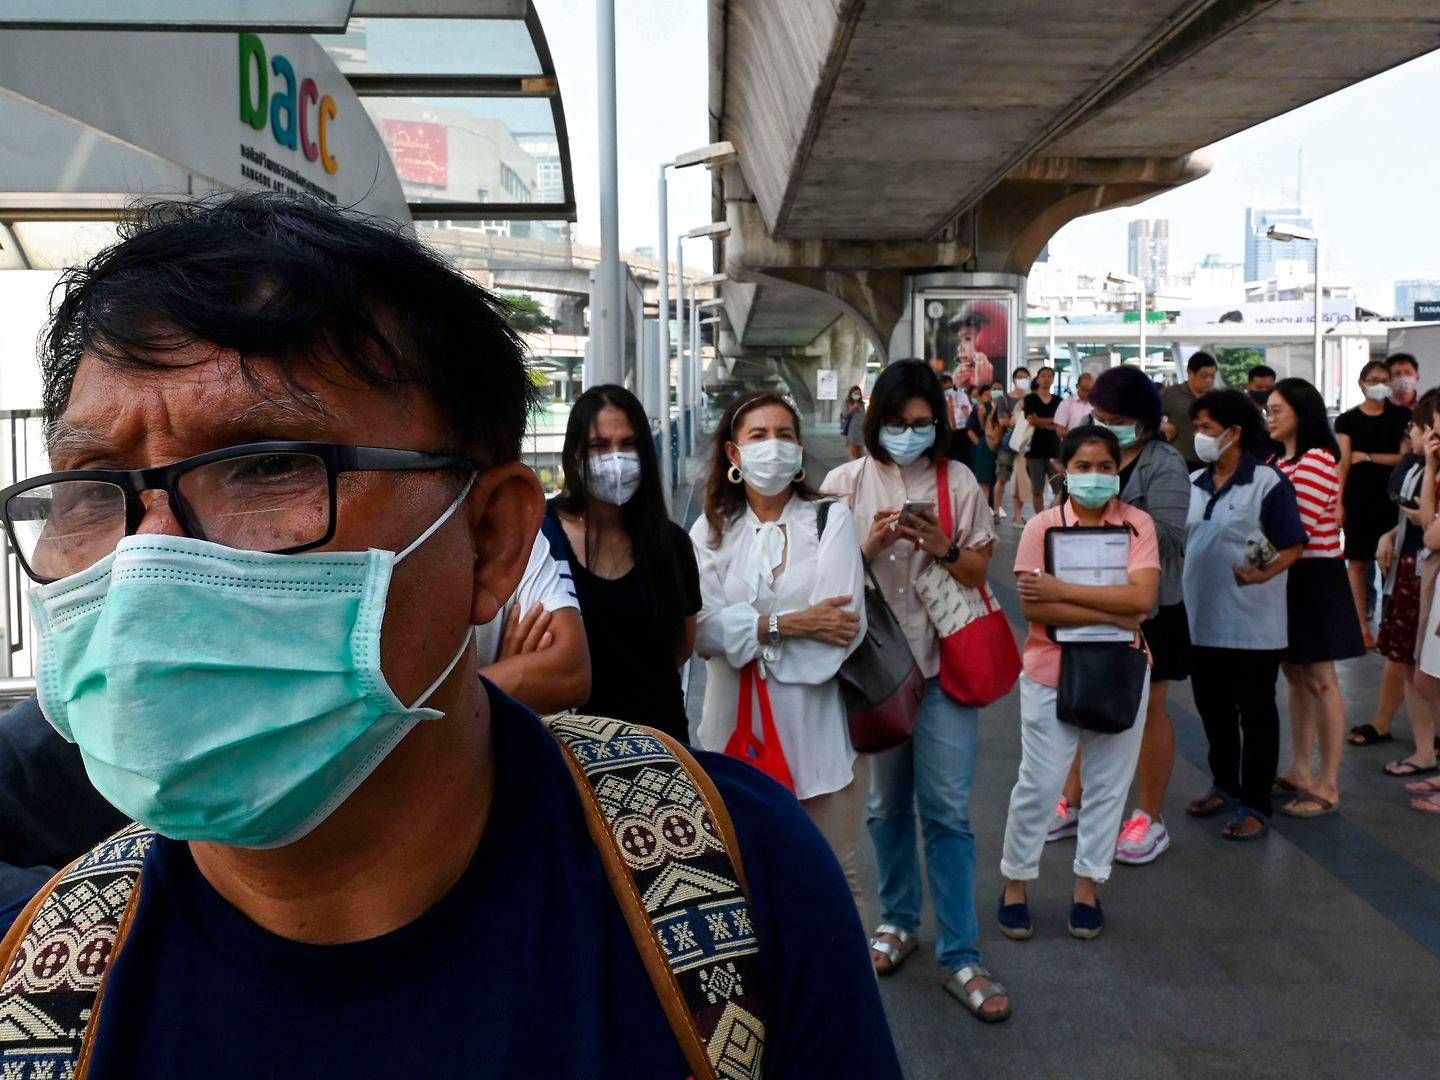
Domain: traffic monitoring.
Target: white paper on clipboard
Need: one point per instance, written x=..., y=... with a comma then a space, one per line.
x=1092, y=557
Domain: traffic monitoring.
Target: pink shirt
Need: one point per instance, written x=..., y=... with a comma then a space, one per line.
x=1042, y=656
x=1073, y=412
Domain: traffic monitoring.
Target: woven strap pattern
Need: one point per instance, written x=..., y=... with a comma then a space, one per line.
x=50, y=988
x=680, y=883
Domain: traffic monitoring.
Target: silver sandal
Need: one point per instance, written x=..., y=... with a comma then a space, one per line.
x=908, y=944
x=974, y=1000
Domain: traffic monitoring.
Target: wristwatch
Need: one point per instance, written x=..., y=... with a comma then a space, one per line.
x=951, y=556
x=773, y=637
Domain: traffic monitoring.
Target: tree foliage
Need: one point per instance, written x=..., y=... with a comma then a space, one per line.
x=1235, y=364
x=526, y=316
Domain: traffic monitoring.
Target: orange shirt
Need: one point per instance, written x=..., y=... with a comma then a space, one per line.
x=1042, y=656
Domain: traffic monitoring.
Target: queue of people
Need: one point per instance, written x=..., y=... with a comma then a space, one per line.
x=1221, y=522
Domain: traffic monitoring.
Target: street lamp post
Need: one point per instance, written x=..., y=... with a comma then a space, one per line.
x=1131, y=279
x=1286, y=234
x=696, y=374
x=721, y=153
x=607, y=335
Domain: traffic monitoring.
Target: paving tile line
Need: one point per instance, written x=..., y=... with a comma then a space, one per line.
x=1391, y=885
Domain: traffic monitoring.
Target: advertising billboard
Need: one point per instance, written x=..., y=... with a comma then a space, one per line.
x=969, y=331
x=420, y=151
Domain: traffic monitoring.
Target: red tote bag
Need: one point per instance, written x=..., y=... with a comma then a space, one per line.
x=979, y=663
x=765, y=753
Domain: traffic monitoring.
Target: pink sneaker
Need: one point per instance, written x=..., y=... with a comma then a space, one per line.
x=1065, y=823
x=1141, y=840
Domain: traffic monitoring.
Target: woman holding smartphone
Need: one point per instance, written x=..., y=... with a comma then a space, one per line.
x=906, y=432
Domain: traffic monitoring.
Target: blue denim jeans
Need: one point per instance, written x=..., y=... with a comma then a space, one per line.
x=934, y=771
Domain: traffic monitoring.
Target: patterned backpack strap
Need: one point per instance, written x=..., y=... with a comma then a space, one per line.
x=56, y=956
x=671, y=854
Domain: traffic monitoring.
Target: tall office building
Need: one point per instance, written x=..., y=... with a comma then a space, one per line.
x=1407, y=293
x=1261, y=253
x=1150, y=251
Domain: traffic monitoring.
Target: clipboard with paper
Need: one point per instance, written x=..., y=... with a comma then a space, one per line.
x=1089, y=555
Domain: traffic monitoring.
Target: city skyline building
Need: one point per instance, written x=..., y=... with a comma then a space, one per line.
x=1150, y=251
x=1412, y=291
x=1262, y=253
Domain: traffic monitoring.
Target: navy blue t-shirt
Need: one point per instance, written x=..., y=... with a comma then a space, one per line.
x=526, y=968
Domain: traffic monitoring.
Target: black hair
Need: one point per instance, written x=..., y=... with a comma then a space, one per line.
x=1231, y=408
x=303, y=284
x=1259, y=371
x=897, y=384
x=1424, y=412
x=1401, y=358
x=1200, y=361
x=971, y=320
x=1312, y=425
x=1083, y=436
x=645, y=519
x=1017, y=372
x=1374, y=365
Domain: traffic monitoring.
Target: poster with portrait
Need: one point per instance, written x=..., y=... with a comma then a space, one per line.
x=967, y=333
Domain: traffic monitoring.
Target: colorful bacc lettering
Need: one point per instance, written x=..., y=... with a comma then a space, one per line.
x=289, y=109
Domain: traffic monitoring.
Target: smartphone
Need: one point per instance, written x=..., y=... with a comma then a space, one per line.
x=910, y=509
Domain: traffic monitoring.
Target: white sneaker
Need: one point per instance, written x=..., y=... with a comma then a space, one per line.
x=1003, y=514
x=1141, y=840
x=1065, y=823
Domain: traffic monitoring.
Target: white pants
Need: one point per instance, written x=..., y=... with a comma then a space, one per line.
x=1047, y=749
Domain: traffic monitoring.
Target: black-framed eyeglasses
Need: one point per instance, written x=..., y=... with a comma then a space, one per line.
x=276, y=497
x=896, y=431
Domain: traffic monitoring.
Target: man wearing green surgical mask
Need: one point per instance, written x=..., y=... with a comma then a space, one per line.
x=287, y=487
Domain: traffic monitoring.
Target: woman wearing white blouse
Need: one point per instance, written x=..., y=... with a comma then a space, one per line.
x=778, y=594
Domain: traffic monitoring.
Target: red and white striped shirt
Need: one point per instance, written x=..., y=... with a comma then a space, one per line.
x=1316, y=478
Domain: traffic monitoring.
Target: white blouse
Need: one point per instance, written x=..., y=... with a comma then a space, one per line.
x=762, y=569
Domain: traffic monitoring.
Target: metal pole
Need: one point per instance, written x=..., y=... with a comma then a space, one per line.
x=662, y=366
x=682, y=378
x=1319, y=342
x=1142, y=323
x=606, y=328
x=694, y=369
x=1052, y=341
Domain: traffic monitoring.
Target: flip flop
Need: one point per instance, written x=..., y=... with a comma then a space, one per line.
x=1232, y=830
x=1198, y=808
x=1424, y=787
x=1326, y=807
x=1409, y=768
x=1368, y=735
x=1428, y=805
x=1284, y=787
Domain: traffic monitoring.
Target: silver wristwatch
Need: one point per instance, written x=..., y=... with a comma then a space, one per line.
x=773, y=637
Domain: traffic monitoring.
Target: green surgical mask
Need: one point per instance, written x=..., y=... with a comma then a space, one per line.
x=1092, y=490
x=996, y=395
x=225, y=695
x=1124, y=434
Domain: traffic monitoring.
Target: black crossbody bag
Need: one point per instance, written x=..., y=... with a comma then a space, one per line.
x=1101, y=682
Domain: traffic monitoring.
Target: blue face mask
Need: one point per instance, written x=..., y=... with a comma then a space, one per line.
x=906, y=449
x=1092, y=490
x=225, y=695
x=1124, y=433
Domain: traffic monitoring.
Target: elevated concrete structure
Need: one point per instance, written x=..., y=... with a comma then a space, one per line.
x=880, y=138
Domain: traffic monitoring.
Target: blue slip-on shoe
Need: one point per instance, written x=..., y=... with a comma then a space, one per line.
x=1086, y=922
x=1015, y=920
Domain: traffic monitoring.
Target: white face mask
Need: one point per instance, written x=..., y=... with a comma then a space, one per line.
x=1022, y=384
x=1378, y=392
x=770, y=466
x=1208, y=448
x=614, y=478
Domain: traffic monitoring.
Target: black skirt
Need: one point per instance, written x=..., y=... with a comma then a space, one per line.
x=1168, y=635
x=1323, y=622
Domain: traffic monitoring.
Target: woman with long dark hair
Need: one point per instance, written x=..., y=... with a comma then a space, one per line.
x=634, y=570
x=783, y=590
x=895, y=497
x=1324, y=626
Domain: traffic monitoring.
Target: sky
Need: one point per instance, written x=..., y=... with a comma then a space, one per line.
x=1370, y=155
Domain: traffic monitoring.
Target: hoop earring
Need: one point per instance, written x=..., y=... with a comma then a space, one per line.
x=799, y=477
x=733, y=474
